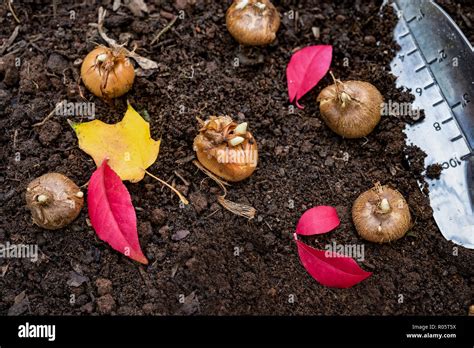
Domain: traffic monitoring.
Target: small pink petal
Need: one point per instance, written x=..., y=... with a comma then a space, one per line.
x=305, y=69
x=331, y=269
x=318, y=220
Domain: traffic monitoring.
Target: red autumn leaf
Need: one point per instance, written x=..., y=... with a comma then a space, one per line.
x=330, y=268
x=317, y=220
x=306, y=68
x=112, y=214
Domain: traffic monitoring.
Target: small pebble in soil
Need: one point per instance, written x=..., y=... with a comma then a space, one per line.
x=191, y=262
x=199, y=201
x=369, y=40
x=340, y=18
x=158, y=216
x=49, y=132
x=9, y=72
x=183, y=189
x=57, y=64
x=104, y=286
x=76, y=279
x=179, y=235
x=150, y=187
x=164, y=231
x=145, y=230
x=269, y=239
x=20, y=305
x=4, y=96
x=316, y=32
x=105, y=304
x=148, y=308
x=329, y=162
x=81, y=300
x=160, y=255
x=215, y=207
x=272, y=292
x=181, y=4
x=88, y=308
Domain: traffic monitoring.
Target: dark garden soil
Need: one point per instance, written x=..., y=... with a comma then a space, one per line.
x=302, y=164
x=461, y=12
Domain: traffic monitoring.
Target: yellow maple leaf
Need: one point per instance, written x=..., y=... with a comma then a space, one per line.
x=127, y=144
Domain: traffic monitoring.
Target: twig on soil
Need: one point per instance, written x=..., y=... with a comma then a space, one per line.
x=186, y=182
x=165, y=42
x=185, y=159
x=116, y=5
x=51, y=114
x=144, y=277
x=15, y=136
x=174, y=270
x=181, y=197
x=55, y=8
x=268, y=225
x=297, y=17
x=144, y=63
x=35, y=46
x=10, y=40
x=4, y=270
x=240, y=209
x=10, y=7
x=100, y=28
x=15, y=51
x=213, y=213
x=164, y=30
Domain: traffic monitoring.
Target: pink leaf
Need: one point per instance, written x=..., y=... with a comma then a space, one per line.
x=112, y=214
x=329, y=268
x=317, y=220
x=306, y=68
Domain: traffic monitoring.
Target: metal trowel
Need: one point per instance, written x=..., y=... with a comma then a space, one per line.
x=437, y=62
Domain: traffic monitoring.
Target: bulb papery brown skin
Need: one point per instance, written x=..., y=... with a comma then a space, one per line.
x=253, y=22
x=381, y=214
x=226, y=148
x=351, y=109
x=107, y=73
x=54, y=200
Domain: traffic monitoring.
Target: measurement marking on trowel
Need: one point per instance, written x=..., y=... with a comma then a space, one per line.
x=456, y=138
x=420, y=68
x=456, y=105
x=466, y=157
x=430, y=85
x=411, y=19
x=412, y=51
x=432, y=61
x=438, y=102
x=404, y=35
x=448, y=120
